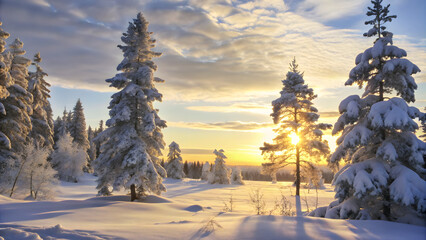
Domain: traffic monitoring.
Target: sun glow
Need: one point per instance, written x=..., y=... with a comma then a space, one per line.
x=294, y=138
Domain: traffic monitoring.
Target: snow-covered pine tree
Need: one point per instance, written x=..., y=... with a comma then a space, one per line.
x=68, y=122
x=236, y=177
x=174, y=165
x=384, y=173
x=132, y=143
x=296, y=117
x=5, y=82
x=92, y=148
x=97, y=143
x=77, y=129
x=41, y=119
x=78, y=126
x=68, y=159
x=423, y=136
x=60, y=126
x=16, y=124
x=205, y=172
x=221, y=174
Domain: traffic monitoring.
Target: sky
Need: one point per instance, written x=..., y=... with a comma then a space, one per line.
x=223, y=60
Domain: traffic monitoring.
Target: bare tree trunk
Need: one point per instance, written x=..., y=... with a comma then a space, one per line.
x=16, y=179
x=297, y=171
x=132, y=192
x=31, y=184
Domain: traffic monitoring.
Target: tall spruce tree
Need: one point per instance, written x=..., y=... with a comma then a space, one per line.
x=92, y=148
x=77, y=129
x=78, y=126
x=384, y=173
x=41, y=119
x=296, y=118
x=17, y=123
x=5, y=82
x=132, y=143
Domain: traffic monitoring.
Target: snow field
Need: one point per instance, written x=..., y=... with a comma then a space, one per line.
x=190, y=209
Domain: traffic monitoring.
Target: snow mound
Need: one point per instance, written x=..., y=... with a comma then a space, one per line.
x=16, y=232
x=194, y=208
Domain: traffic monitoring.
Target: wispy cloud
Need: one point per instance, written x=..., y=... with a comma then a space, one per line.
x=223, y=126
x=236, y=107
x=196, y=151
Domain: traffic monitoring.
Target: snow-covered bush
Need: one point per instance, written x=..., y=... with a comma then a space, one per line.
x=220, y=174
x=205, y=172
x=68, y=159
x=174, y=165
x=312, y=176
x=32, y=175
x=38, y=174
x=384, y=173
x=131, y=145
x=236, y=177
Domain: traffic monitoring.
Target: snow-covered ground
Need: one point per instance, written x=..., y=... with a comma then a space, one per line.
x=190, y=209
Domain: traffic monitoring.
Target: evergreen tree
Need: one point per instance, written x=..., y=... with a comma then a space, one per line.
x=68, y=121
x=16, y=124
x=78, y=131
x=60, y=126
x=384, y=173
x=78, y=126
x=41, y=119
x=205, y=171
x=97, y=143
x=186, y=168
x=5, y=82
x=174, y=162
x=299, y=136
x=423, y=136
x=221, y=174
x=91, y=151
x=132, y=143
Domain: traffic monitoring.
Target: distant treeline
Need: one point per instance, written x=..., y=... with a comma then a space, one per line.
x=193, y=170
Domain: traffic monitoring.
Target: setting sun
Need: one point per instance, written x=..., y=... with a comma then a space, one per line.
x=294, y=138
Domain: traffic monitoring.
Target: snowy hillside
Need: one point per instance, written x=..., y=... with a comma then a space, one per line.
x=190, y=209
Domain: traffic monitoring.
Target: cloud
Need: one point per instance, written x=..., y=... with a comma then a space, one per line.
x=236, y=107
x=196, y=151
x=326, y=10
x=212, y=50
x=224, y=126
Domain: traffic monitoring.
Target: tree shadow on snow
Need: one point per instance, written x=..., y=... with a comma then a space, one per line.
x=195, y=189
x=283, y=227
x=25, y=211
